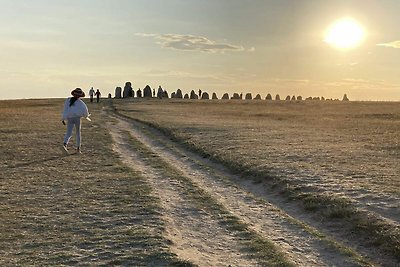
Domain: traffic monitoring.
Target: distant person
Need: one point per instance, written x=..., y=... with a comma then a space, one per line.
x=74, y=110
x=154, y=92
x=199, y=93
x=98, y=94
x=91, y=94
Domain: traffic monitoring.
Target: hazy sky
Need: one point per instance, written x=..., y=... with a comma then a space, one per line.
x=49, y=47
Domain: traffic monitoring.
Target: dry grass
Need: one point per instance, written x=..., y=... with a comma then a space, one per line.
x=340, y=159
x=262, y=249
x=58, y=209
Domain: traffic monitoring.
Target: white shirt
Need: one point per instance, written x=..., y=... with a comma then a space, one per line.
x=77, y=110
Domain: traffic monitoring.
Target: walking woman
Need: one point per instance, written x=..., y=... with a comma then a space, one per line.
x=74, y=110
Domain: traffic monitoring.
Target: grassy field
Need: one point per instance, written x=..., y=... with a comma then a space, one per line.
x=58, y=209
x=340, y=159
x=339, y=162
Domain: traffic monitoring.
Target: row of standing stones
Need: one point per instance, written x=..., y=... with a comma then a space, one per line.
x=147, y=92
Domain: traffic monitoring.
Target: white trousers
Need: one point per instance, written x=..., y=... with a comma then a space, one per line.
x=71, y=123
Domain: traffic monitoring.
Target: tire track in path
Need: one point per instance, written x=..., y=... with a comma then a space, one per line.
x=196, y=236
x=302, y=247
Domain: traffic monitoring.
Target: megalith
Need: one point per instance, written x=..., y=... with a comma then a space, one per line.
x=128, y=92
x=235, y=96
x=193, y=95
x=160, y=92
x=118, y=91
x=147, y=91
x=139, y=93
x=165, y=94
x=178, y=93
x=205, y=95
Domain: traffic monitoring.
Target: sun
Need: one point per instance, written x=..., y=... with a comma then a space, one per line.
x=344, y=34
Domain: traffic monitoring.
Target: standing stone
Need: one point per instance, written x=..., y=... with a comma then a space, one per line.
x=128, y=92
x=165, y=94
x=214, y=96
x=236, y=96
x=293, y=98
x=186, y=96
x=299, y=98
x=118, y=91
x=173, y=95
x=178, y=93
x=193, y=95
x=345, y=98
x=225, y=96
x=288, y=98
x=160, y=92
x=147, y=91
x=248, y=96
x=268, y=97
x=205, y=95
x=139, y=93
x=277, y=98
x=258, y=97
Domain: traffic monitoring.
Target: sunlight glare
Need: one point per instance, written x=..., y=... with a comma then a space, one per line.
x=345, y=33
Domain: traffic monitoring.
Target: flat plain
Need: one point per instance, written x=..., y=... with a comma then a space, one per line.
x=284, y=183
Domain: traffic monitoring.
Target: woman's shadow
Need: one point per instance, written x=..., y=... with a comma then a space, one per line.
x=39, y=161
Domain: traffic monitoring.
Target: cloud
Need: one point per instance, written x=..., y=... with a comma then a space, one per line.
x=394, y=44
x=191, y=43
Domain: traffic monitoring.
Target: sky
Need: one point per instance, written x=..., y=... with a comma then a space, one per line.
x=50, y=47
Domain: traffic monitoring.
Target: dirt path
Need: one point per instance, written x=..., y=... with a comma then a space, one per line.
x=196, y=236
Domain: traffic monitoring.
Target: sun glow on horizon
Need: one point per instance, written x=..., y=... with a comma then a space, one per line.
x=344, y=34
